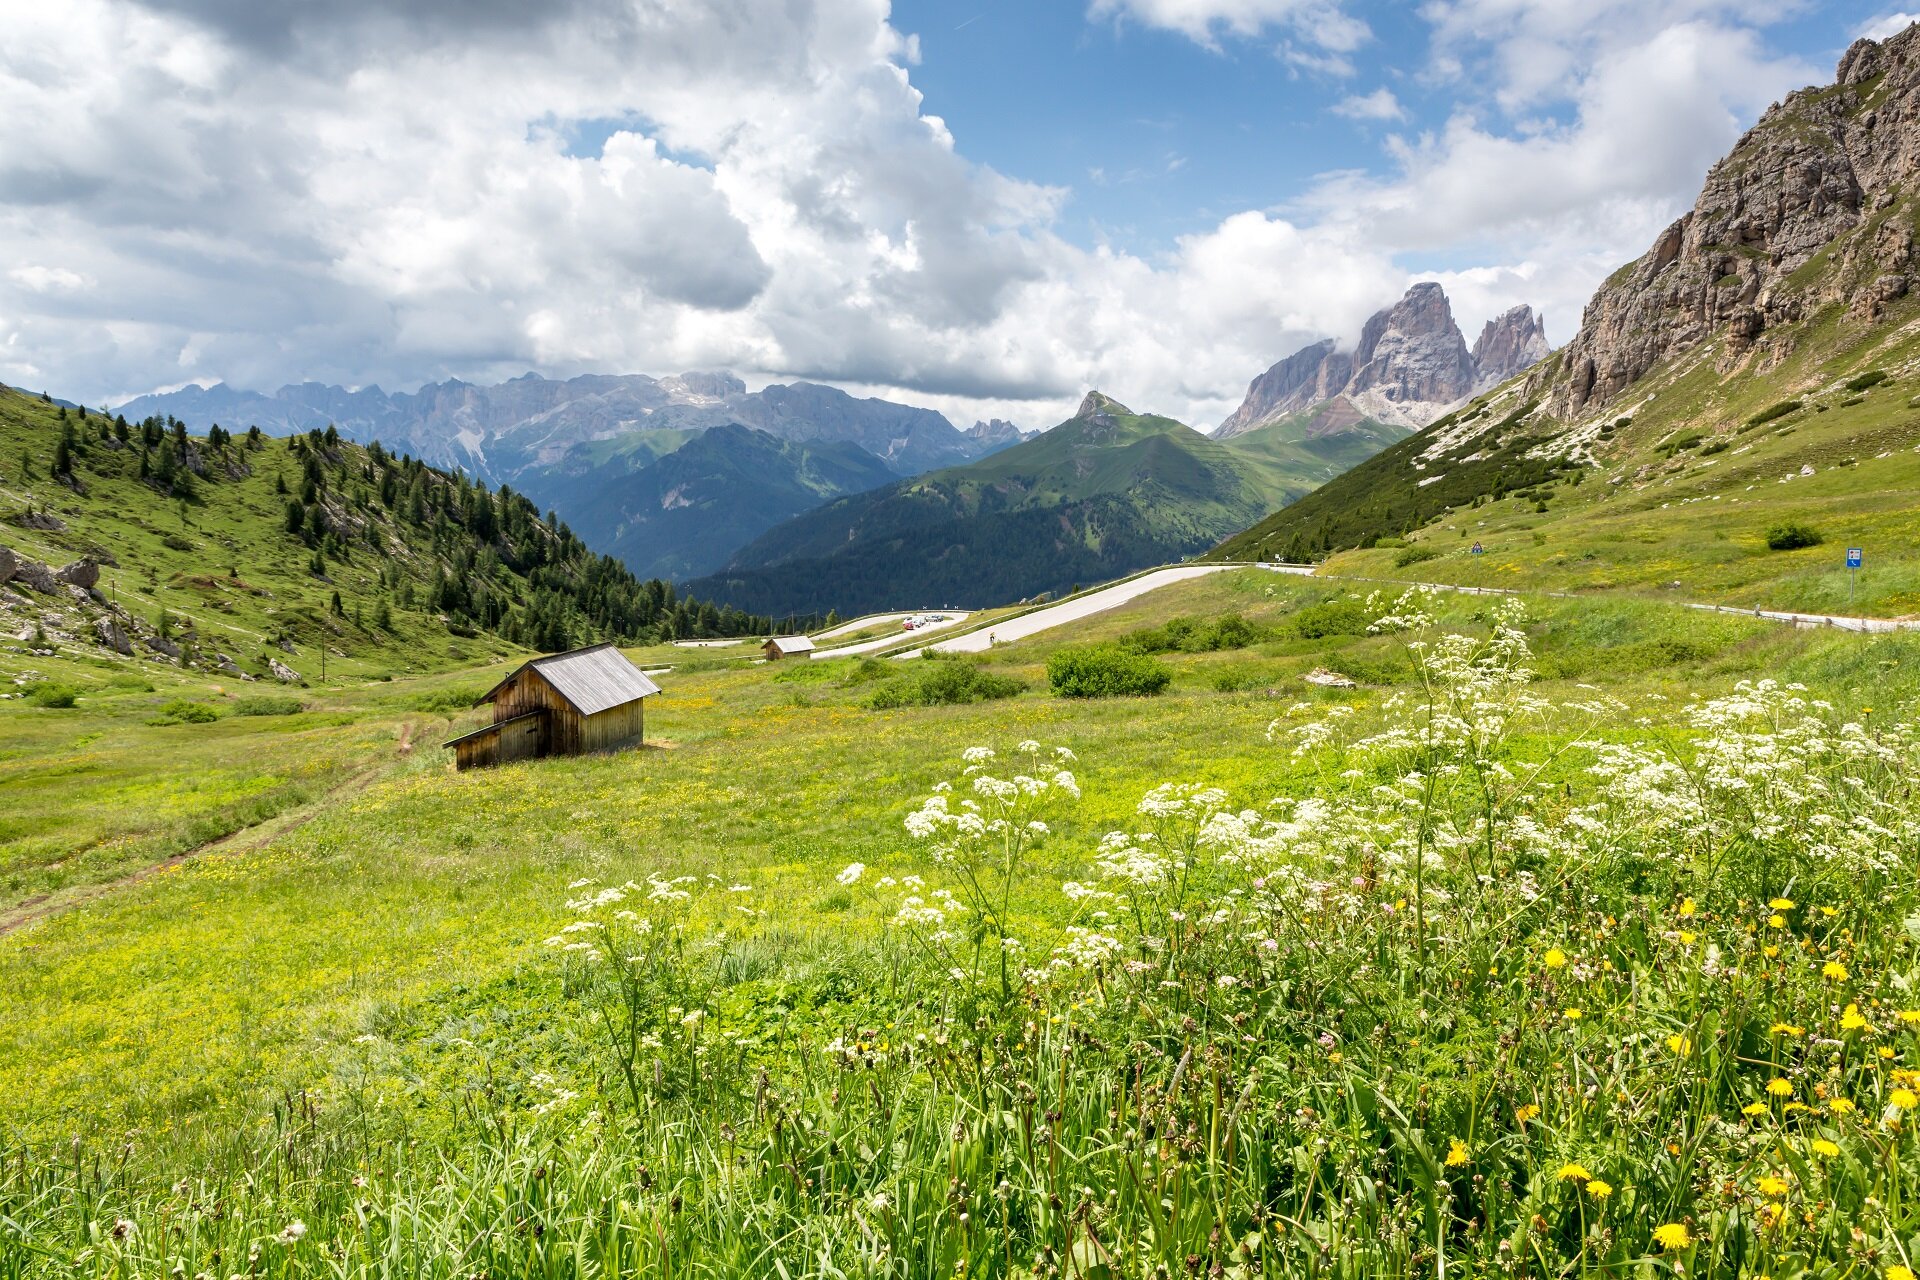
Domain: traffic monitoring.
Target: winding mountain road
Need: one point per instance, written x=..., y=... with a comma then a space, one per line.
x=1028, y=624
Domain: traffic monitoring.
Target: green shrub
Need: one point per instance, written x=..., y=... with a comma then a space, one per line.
x=181, y=711
x=944, y=682
x=1871, y=378
x=1105, y=671
x=46, y=693
x=1332, y=618
x=1779, y=409
x=444, y=700
x=1414, y=555
x=1195, y=635
x=868, y=670
x=1389, y=543
x=267, y=705
x=1792, y=535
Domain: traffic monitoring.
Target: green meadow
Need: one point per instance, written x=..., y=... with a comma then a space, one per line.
x=350, y=1038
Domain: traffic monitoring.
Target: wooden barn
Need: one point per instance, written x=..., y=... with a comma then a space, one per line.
x=787, y=647
x=565, y=704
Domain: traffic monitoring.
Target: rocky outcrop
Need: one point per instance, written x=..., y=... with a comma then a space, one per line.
x=9, y=564
x=41, y=521
x=282, y=672
x=996, y=433
x=1510, y=344
x=1308, y=377
x=36, y=575
x=1828, y=173
x=1410, y=365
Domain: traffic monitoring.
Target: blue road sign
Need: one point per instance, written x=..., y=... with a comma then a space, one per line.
x=1853, y=557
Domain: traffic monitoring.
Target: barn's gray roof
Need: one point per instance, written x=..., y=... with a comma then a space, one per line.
x=793, y=644
x=592, y=680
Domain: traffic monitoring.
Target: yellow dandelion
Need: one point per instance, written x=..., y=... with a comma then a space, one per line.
x=1886, y=1051
x=1572, y=1015
x=1573, y=1173
x=1457, y=1154
x=1835, y=970
x=1687, y=907
x=1840, y=1106
x=1680, y=1045
x=1772, y=1186
x=1555, y=958
x=1774, y=1214
x=1829, y=912
x=1772, y=951
x=1781, y=904
x=1780, y=1088
x=1823, y=1148
x=1674, y=1235
x=1796, y=1106
x=1776, y=922
x=1852, y=1019
x=1686, y=937
x=1904, y=1099
x=1910, y=1016
x=1599, y=1190
x=1787, y=1029
x=1897, y=1272
x=1754, y=1109
x=1525, y=1113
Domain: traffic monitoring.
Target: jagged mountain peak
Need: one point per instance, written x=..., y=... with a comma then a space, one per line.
x=1511, y=342
x=1410, y=365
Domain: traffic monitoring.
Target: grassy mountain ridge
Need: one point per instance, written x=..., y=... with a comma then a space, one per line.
x=233, y=553
x=1104, y=493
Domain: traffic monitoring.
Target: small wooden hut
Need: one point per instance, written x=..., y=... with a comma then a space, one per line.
x=787, y=647
x=565, y=704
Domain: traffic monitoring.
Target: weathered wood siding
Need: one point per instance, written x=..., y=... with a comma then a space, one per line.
x=622, y=726
x=529, y=691
x=521, y=739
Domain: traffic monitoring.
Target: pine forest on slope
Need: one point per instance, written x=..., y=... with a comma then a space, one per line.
x=238, y=553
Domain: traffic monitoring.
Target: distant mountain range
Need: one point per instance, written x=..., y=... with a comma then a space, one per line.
x=1102, y=494
x=1754, y=369
x=603, y=450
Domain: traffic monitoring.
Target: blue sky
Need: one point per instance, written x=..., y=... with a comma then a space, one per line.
x=986, y=206
x=1158, y=135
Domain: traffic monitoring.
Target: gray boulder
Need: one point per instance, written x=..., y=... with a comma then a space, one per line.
x=84, y=574
x=113, y=636
x=282, y=672
x=9, y=563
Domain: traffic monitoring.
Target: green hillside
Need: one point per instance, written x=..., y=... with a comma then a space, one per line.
x=1105, y=493
x=233, y=553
